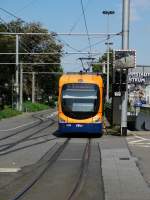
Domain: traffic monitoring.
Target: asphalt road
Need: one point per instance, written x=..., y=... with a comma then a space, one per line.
x=139, y=145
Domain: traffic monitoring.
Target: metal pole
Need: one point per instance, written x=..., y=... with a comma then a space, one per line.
x=125, y=45
x=33, y=87
x=17, y=72
x=107, y=89
x=12, y=93
x=21, y=87
x=108, y=63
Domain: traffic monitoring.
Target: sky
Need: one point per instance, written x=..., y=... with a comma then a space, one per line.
x=64, y=16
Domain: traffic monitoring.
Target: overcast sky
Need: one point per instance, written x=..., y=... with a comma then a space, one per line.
x=66, y=16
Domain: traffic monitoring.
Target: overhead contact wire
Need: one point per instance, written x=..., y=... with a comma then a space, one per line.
x=85, y=23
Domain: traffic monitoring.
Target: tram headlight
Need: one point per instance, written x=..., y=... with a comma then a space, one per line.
x=96, y=120
x=61, y=120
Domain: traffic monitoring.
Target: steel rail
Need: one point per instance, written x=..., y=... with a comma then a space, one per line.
x=83, y=171
x=7, y=136
x=11, y=145
x=49, y=163
x=29, y=139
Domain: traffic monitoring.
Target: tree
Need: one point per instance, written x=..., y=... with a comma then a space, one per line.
x=47, y=43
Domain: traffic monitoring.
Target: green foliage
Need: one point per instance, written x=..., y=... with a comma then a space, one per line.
x=55, y=98
x=52, y=103
x=8, y=112
x=107, y=105
x=45, y=84
x=108, y=111
x=28, y=106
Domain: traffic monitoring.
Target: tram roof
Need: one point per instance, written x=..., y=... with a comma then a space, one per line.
x=81, y=78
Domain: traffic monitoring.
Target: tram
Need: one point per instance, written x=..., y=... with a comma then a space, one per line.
x=80, y=103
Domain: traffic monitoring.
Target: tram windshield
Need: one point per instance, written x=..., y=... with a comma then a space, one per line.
x=80, y=100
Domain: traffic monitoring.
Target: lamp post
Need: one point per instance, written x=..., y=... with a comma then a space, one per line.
x=108, y=12
x=108, y=62
x=17, y=72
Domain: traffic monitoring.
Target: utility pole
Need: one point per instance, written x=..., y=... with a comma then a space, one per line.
x=125, y=46
x=17, y=72
x=108, y=63
x=107, y=89
x=33, y=87
x=21, y=88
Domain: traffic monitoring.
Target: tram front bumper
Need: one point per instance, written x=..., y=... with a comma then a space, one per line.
x=80, y=128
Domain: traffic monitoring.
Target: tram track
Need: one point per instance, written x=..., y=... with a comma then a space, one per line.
x=28, y=146
x=22, y=130
x=29, y=139
x=68, y=170
x=79, y=180
x=83, y=172
x=34, y=174
x=41, y=119
x=7, y=146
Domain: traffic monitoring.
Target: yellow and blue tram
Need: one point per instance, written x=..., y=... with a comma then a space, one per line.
x=80, y=103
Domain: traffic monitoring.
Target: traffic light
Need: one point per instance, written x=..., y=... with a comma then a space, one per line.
x=120, y=80
x=116, y=87
x=117, y=79
x=123, y=80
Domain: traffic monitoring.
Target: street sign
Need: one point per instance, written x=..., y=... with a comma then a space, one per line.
x=124, y=59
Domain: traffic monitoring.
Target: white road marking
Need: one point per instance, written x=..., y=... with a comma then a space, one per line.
x=11, y=129
x=130, y=138
x=9, y=170
x=138, y=141
x=145, y=146
x=141, y=143
x=135, y=141
x=52, y=115
x=141, y=137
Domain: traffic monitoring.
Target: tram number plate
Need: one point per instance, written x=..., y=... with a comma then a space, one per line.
x=79, y=125
x=68, y=125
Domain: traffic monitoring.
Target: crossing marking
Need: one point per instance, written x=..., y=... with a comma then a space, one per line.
x=135, y=141
x=138, y=141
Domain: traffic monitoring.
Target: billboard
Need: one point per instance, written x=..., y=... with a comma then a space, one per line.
x=124, y=59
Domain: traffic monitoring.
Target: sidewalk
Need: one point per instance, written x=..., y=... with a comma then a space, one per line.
x=122, y=178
